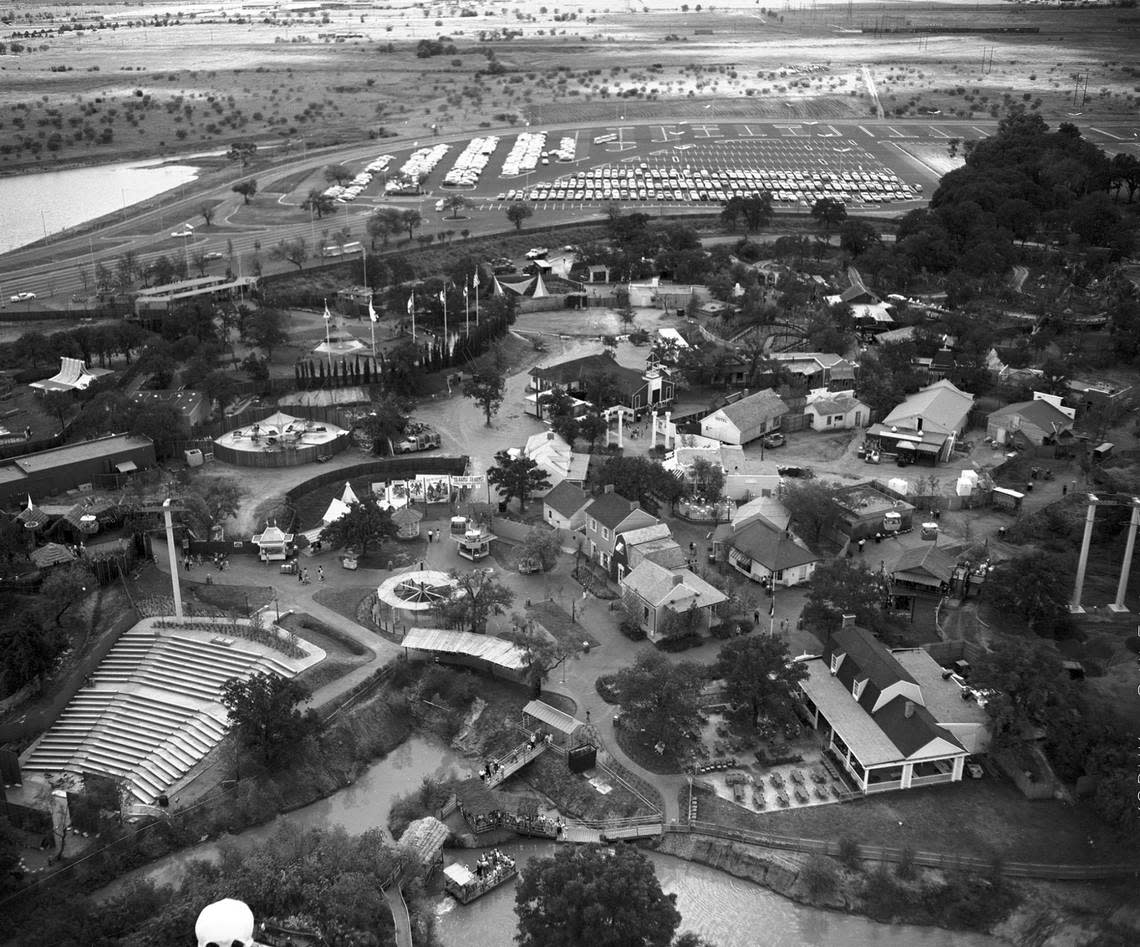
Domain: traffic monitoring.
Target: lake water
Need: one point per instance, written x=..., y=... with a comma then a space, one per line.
x=723, y=909
x=56, y=200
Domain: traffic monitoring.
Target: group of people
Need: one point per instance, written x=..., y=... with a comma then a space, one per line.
x=303, y=575
x=537, y=825
x=493, y=865
x=220, y=561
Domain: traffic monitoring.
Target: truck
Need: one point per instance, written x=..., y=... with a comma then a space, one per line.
x=416, y=437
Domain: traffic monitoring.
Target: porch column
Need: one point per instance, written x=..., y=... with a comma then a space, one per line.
x=1082, y=563
x=1126, y=565
x=959, y=768
x=621, y=417
x=653, y=430
x=907, y=774
x=666, y=439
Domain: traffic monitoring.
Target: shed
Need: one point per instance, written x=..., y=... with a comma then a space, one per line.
x=1102, y=451
x=542, y=716
x=53, y=554
x=423, y=840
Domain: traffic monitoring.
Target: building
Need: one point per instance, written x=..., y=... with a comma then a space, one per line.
x=745, y=420
x=927, y=425
x=554, y=456
x=689, y=448
x=192, y=407
x=670, y=602
x=73, y=375
x=653, y=543
x=608, y=516
x=564, y=507
x=102, y=461
x=818, y=369
x=925, y=568
x=1029, y=423
x=867, y=511
x=835, y=411
x=892, y=720
x=768, y=555
x=640, y=391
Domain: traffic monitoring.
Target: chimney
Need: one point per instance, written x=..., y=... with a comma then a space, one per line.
x=848, y=621
x=908, y=709
x=918, y=425
x=678, y=578
x=608, y=488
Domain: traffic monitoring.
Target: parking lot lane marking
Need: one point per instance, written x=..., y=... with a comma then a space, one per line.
x=707, y=131
x=667, y=133
x=788, y=131
x=984, y=134
x=938, y=132
x=749, y=133
x=1101, y=131
x=895, y=133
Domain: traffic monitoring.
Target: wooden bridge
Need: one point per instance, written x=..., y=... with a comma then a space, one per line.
x=514, y=761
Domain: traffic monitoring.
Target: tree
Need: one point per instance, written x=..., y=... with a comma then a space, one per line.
x=455, y=204
x=858, y=236
x=13, y=546
x=485, y=388
x=757, y=210
x=592, y=428
x=589, y=895
x=518, y=212
x=64, y=586
x=200, y=261
x=265, y=709
x=365, y=523
x=219, y=386
x=207, y=211
x=265, y=329
x=829, y=212
x=814, y=508
x=29, y=648
x=338, y=174
x=661, y=699
x=542, y=653
x=384, y=423
x=1028, y=587
x=820, y=876
x=517, y=477
x=758, y=671
x=294, y=251
x=641, y=479
x=543, y=546
x=222, y=498
x=1030, y=683
x=385, y=224
x=318, y=202
x=243, y=151
x=58, y=403
x=476, y=596
x=411, y=219
x=844, y=587
x=247, y=189
x=708, y=479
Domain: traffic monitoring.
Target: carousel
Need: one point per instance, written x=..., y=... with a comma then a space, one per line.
x=280, y=440
x=410, y=597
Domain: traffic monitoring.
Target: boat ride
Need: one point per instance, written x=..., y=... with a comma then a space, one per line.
x=491, y=870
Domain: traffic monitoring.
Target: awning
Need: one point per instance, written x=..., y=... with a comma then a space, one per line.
x=126, y=466
x=929, y=448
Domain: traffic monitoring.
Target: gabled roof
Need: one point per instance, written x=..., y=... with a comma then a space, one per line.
x=610, y=509
x=1039, y=413
x=53, y=554
x=581, y=370
x=748, y=412
x=774, y=549
x=808, y=363
x=677, y=588
x=839, y=403
x=644, y=534
x=552, y=717
x=931, y=560
x=865, y=659
x=942, y=406
x=566, y=499
x=666, y=552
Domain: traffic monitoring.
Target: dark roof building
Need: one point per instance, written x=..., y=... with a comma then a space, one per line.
x=193, y=407
x=44, y=473
x=566, y=499
x=637, y=390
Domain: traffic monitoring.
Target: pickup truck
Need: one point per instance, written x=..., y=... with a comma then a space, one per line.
x=423, y=438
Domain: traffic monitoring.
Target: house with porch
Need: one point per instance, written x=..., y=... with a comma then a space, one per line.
x=927, y=425
x=670, y=601
x=818, y=369
x=889, y=718
x=640, y=391
x=607, y=517
x=766, y=554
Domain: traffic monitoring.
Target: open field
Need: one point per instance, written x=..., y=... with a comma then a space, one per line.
x=181, y=81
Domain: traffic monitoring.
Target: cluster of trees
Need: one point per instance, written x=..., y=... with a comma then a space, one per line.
x=517, y=477
x=265, y=711
x=366, y=524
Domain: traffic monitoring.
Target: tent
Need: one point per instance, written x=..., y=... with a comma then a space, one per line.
x=339, y=505
x=73, y=375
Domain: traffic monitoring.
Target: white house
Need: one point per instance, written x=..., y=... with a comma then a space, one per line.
x=658, y=593
x=927, y=424
x=835, y=411
x=564, y=507
x=766, y=554
x=554, y=455
x=745, y=420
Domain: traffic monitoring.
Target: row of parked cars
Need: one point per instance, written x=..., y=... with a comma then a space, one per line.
x=525, y=153
x=471, y=161
x=345, y=193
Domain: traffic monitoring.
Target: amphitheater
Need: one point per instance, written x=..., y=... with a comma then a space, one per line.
x=152, y=709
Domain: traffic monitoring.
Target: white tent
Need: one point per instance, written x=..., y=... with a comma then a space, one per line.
x=348, y=497
x=337, y=509
x=539, y=288
x=73, y=375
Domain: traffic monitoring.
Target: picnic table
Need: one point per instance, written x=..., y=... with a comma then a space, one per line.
x=820, y=792
x=783, y=800
x=801, y=796
x=797, y=777
x=777, y=780
x=818, y=777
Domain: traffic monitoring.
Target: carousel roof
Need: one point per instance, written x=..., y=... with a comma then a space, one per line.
x=416, y=591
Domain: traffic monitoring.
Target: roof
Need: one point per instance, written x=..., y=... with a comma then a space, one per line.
x=552, y=717
x=839, y=403
x=942, y=406
x=566, y=499
x=1039, y=413
x=927, y=560
x=183, y=400
x=485, y=648
x=610, y=509
x=98, y=447
x=768, y=508
x=581, y=370
x=271, y=534
x=32, y=516
x=678, y=588
x=808, y=363
x=772, y=548
x=942, y=696
x=748, y=412
x=865, y=657
x=645, y=534
x=53, y=554
x=424, y=839
x=665, y=552
x=406, y=516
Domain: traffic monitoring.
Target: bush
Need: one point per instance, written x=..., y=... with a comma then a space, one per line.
x=906, y=868
x=849, y=852
x=679, y=643
x=820, y=876
x=605, y=688
x=723, y=631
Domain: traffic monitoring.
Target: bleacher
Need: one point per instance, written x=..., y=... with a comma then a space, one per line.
x=151, y=710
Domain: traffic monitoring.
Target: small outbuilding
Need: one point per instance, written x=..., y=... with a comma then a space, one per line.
x=272, y=544
x=407, y=522
x=563, y=727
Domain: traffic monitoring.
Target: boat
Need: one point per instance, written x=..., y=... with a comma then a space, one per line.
x=492, y=870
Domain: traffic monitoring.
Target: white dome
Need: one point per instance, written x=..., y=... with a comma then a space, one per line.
x=224, y=922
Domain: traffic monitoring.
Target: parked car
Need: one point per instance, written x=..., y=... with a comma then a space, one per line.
x=184, y=232
x=23, y=297
x=805, y=472
x=775, y=439
x=214, y=255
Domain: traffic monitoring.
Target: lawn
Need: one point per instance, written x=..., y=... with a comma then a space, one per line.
x=151, y=588
x=643, y=754
x=976, y=817
x=353, y=602
x=557, y=622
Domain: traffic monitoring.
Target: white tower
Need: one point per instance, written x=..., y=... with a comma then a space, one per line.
x=225, y=923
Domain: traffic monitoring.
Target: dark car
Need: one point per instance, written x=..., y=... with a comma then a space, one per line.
x=775, y=439
x=805, y=472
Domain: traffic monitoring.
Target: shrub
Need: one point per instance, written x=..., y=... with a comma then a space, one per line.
x=849, y=852
x=906, y=867
x=679, y=643
x=820, y=876
x=605, y=688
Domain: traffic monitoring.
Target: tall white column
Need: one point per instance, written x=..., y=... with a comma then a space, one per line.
x=621, y=419
x=1082, y=564
x=652, y=430
x=172, y=553
x=1126, y=565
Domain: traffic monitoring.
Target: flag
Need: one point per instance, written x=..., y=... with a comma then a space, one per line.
x=772, y=607
x=464, y=290
x=371, y=311
x=328, y=315
x=443, y=297
x=412, y=305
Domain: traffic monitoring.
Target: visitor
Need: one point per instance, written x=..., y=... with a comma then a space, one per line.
x=304, y=576
x=321, y=573
x=1064, y=489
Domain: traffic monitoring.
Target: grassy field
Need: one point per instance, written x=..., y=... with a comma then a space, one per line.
x=197, y=80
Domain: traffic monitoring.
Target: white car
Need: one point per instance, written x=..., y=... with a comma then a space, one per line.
x=23, y=297
x=185, y=232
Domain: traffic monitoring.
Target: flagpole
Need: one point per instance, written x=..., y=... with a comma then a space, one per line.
x=328, y=342
x=466, y=311
x=443, y=295
x=412, y=308
x=476, y=281
x=772, y=607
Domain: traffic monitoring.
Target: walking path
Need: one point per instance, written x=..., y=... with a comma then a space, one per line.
x=400, y=917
